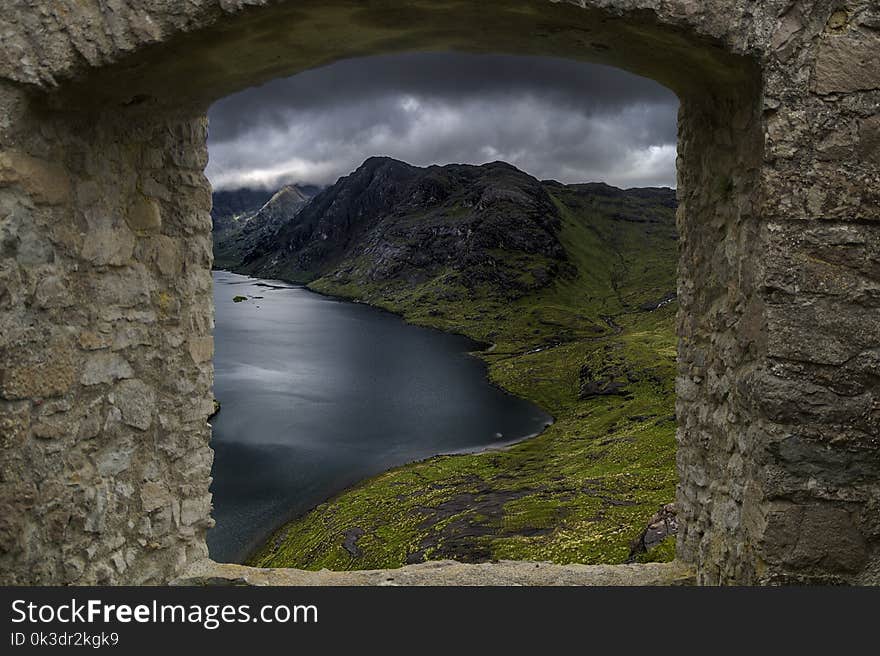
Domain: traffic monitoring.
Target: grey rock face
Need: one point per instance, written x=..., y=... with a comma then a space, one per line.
x=663, y=525
x=255, y=228
x=105, y=247
x=389, y=221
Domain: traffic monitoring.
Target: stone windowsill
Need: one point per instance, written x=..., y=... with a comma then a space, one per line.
x=446, y=572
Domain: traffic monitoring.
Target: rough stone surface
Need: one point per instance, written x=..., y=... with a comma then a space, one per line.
x=101, y=404
x=662, y=526
x=105, y=258
x=447, y=572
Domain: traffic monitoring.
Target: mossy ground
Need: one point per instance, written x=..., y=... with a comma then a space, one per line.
x=585, y=488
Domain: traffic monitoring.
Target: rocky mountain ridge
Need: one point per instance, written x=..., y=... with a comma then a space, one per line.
x=246, y=218
x=471, y=229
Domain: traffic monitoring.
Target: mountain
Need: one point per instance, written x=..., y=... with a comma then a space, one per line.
x=574, y=287
x=246, y=217
x=389, y=223
x=474, y=230
x=230, y=204
x=245, y=201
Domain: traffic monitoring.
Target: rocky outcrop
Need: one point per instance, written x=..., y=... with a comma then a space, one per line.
x=606, y=382
x=662, y=526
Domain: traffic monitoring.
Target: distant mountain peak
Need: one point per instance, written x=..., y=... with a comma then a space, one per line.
x=379, y=160
x=255, y=228
x=290, y=193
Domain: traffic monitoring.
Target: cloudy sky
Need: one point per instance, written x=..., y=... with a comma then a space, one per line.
x=553, y=118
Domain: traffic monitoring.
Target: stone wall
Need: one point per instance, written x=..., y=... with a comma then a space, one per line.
x=105, y=343
x=105, y=348
x=817, y=473
x=720, y=330
x=779, y=392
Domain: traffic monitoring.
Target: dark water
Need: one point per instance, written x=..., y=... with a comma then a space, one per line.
x=318, y=394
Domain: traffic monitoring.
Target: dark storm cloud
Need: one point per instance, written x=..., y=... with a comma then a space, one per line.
x=554, y=118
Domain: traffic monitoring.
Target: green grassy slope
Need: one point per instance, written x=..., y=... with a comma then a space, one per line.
x=584, y=489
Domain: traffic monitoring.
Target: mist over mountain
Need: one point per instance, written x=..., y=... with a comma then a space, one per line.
x=231, y=204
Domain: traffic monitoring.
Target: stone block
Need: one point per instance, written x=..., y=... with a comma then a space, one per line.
x=52, y=292
x=125, y=288
x=196, y=511
x=39, y=372
x=144, y=216
x=869, y=139
x=820, y=536
x=92, y=340
x=45, y=182
x=56, y=427
x=107, y=242
x=154, y=495
x=201, y=349
x=136, y=401
x=847, y=63
x=102, y=368
x=15, y=421
x=164, y=253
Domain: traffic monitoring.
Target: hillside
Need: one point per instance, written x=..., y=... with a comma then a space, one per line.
x=246, y=218
x=574, y=287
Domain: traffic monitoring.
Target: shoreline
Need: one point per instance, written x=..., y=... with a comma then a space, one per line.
x=480, y=346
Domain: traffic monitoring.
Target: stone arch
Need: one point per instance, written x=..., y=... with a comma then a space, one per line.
x=105, y=341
